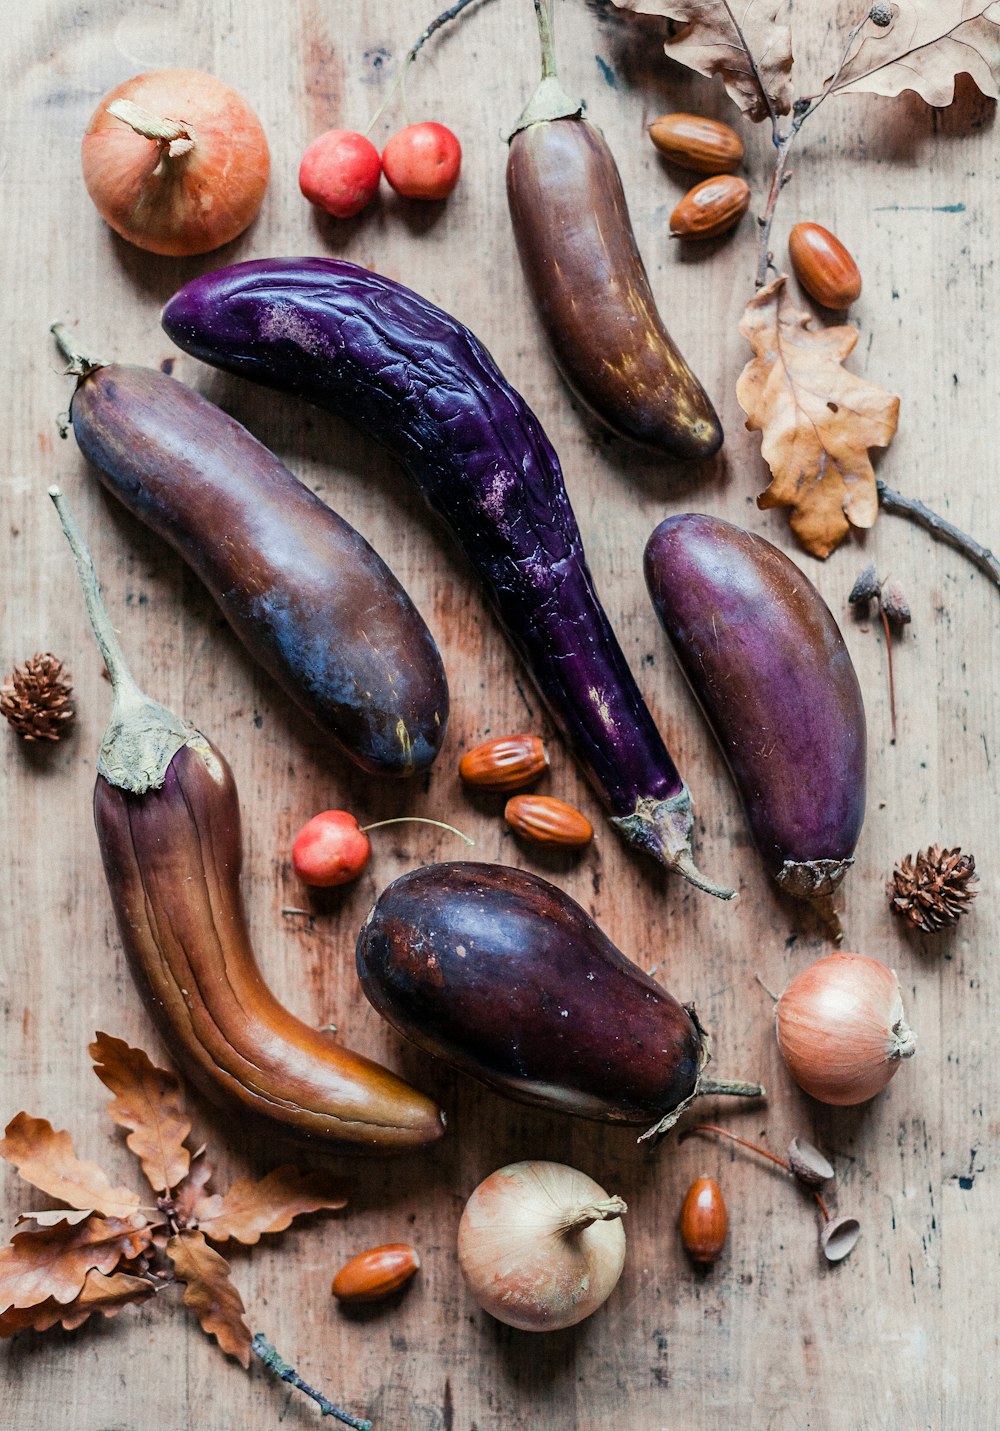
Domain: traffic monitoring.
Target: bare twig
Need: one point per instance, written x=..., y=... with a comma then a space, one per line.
x=772, y=112
x=943, y=531
x=262, y=1348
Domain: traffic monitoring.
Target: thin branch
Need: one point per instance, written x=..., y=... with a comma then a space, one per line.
x=262, y=1348
x=400, y=81
x=940, y=529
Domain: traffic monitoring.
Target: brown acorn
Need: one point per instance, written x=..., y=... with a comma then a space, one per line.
x=703, y=1220
x=711, y=207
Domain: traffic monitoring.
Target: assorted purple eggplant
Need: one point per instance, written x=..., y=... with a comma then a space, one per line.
x=769, y=667
x=305, y=593
x=588, y=281
x=503, y=976
x=419, y=382
x=168, y=824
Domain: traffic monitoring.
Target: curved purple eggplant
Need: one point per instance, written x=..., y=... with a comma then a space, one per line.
x=413, y=377
x=768, y=665
x=304, y=592
x=499, y=973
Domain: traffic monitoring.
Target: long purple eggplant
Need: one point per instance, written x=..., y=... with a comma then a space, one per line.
x=503, y=976
x=414, y=378
x=304, y=592
x=770, y=669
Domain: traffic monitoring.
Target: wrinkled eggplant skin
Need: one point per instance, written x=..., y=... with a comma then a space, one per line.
x=418, y=381
x=589, y=286
x=769, y=667
x=172, y=859
x=504, y=977
x=305, y=593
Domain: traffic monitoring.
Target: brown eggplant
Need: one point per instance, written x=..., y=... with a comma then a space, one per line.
x=588, y=281
x=506, y=978
x=304, y=592
x=168, y=824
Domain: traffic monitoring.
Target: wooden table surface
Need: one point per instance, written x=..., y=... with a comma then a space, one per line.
x=904, y=1333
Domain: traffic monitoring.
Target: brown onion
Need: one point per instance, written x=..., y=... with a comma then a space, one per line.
x=841, y=1028
x=175, y=161
x=541, y=1245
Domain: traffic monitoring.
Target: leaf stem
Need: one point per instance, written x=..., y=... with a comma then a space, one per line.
x=754, y=1148
x=263, y=1349
x=892, y=683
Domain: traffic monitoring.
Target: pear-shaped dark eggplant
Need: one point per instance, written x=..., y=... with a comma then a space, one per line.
x=767, y=662
x=502, y=975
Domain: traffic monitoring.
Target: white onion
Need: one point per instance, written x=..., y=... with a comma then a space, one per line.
x=841, y=1028
x=541, y=1245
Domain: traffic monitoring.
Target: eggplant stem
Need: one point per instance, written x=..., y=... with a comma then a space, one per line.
x=416, y=820
x=262, y=1348
x=122, y=680
x=729, y=1088
x=143, y=736
x=79, y=365
x=684, y=865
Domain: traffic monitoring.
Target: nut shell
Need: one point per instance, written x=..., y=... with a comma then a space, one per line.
x=693, y=142
x=376, y=1273
x=823, y=266
x=704, y=1220
x=712, y=207
x=546, y=821
x=505, y=763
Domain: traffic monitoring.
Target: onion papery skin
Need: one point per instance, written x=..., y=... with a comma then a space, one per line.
x=841, y=1028
x=519, y=1263
x=191, y=203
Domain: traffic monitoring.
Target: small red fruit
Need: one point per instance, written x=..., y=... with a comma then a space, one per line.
x=340, y=172
x=330, y=849
x=422, y=161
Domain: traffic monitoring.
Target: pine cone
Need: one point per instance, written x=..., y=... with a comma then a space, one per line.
x=934, y=888
x=36, y=700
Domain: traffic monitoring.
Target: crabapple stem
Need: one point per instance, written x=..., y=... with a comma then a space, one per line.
x=416, y=820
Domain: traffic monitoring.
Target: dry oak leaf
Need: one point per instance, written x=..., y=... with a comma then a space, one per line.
x=147, y=1100
x=249, y=1209
x=210, y=1292
x=715, y=37
x=926, y=44
x=818, y=420
x=54, y=1261
x=46, y=1159
x=192, y=1190
x=107, y=1295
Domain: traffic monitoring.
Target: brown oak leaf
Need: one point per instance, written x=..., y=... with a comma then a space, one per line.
x=48, y=1217
x=924, y=46
x=818, y=420
x=716, y=37
x=107, y=1295
x=148, y=1100
x=210, y=1292
x=54, y=1261
x=249, y=1209
x=192, y=1190
x=46, y=1159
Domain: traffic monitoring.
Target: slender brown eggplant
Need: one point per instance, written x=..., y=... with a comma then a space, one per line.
x=769, y=667
x=168, y=824
x=506, y=978
x=587, y=278
x=304, y=592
